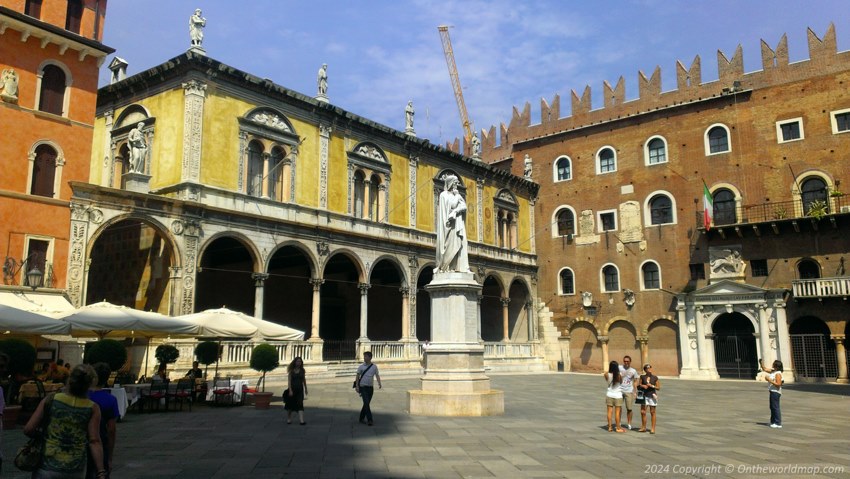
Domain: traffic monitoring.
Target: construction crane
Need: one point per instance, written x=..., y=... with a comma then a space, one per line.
x=450, y=61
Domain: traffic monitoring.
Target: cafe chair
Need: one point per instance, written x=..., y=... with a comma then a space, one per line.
x=223, y=392
x=156, y=393
x=183, y=392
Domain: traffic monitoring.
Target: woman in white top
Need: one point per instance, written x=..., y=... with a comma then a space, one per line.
x=614, y=396
x=774, y=387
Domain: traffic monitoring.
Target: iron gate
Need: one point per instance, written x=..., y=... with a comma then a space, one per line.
x=735, y=355
x=339, y=350
x=814, y=357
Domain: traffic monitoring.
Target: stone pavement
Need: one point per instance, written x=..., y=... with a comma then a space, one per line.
x=554, y=426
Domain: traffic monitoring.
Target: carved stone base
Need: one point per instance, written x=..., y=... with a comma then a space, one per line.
x=410, y=131
x=137, y=182
x=322, y=98
x=488, y=403
x=198, y=49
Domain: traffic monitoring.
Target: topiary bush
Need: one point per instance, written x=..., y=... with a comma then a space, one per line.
x=264, y=359
x=107, y=351
x=166, y=354
x=207, y=352
x=21, y=356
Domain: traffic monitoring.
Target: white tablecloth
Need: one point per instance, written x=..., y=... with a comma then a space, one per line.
x=121, y=395
x=236, y=384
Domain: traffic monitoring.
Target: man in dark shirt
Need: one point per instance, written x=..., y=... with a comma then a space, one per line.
x=195, y=372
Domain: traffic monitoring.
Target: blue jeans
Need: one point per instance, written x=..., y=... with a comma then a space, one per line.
x=775, y=413
x=366, y=393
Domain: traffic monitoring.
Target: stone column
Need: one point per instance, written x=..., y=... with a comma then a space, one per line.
x=605, y=359
x=324, y=145
x=644, y=351
x=259, y=283
x=367, y=199
x=405, y=313
x=686, y=344
x=766, y=352
x=264, y=183
x=506, y=335
x=80, y=217
x=193, y=123
x=479, y=299
x=783, y=342
x=702, y=341
x=314, y=313
x=529, y=319
x=842, y=358
x=364, y=311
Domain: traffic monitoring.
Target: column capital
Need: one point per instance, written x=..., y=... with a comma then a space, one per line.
x=643, y=339
x=364, y=288
x=603, y=339
x=259, y=279
x=404, y=290
x=505, y=301
x=837, y=337
x=317, y=283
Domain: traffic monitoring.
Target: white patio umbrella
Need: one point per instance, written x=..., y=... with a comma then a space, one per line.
x=14, y=320
x=104, y=318
x=221, y=323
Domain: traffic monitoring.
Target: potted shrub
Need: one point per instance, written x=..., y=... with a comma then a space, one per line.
x=21, y=363
x=264, y=360
x=166, y=354
x=107, y=351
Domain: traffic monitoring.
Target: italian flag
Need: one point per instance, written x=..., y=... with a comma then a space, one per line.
x=708, y=207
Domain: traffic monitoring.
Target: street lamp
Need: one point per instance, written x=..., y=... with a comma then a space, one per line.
x=34, y=278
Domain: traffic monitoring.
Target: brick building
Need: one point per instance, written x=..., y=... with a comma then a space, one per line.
x=627, y=264
x=50, y=51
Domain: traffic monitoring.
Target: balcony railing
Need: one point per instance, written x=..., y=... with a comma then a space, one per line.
x=821, y=287
x=778, y=211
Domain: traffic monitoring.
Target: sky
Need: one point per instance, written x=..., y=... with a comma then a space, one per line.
x=381, y=54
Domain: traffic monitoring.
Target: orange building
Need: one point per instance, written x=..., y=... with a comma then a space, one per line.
x=50, y=53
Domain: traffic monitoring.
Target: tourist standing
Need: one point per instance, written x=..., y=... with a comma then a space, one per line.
x=649, y=384
x=367, y=373
x=108, y=418
x=73, y=422
x=774, y=388
x=296, y=390
x=614, y=396
x=629, y=387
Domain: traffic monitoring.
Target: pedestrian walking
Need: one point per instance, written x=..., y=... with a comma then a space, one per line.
x=649, y=384
x=367, y=373
x=629, y=387
x=108, y=418
x=614, y=396
x=774, y=388
x=296, y=390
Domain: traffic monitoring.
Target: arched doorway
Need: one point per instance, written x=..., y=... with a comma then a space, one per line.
x=339, y=322
x=518, y=312
x=224, y=278
x=385, y=300
x=812, y=350
x=492, y=327
x=622, y=341
x=143, y=280
x=288, y=294
x=585, y=352
x=663, y=347
x=423, y=304
x=734, y=346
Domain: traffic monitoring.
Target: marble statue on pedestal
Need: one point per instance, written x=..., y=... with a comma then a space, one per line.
x=408, y=118
x=452, y=246
x=322, y=81
x=475, y=146
x=196, y=28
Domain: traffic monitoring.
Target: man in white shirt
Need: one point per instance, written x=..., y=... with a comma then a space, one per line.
x=628, y=386
x=367, y=373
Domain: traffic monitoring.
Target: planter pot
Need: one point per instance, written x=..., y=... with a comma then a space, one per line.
x=262, y=400
x=10, y=416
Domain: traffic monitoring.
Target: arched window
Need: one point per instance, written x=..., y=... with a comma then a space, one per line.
x=718, y=139
x=374, y=188
x=808, y=269
x=359, y=193
x=566, y=222
x=74, y=16
x=606, y=160
x=651, y=275
x=53, y=84
x=255, y=168
x=660, y=210
x=724, y=207
x=33, y=8
x=563, y=169
x=567, y=281
x=813, y=189
x=44, y=171
x=611, y=278
x=656, y=151
x=276, y=188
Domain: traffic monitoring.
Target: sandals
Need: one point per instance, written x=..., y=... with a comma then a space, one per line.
x=641, y=430
x=610, y=429
x=619, y=429
x=652, y=432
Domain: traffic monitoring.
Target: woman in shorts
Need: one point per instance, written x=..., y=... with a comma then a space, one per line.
x=614, y=396
x=649, y=384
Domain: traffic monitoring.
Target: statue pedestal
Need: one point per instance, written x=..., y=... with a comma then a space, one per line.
x=198, y=49
x=410, y=131
x=322, y=98
x=137, y=182
x=454, y=383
